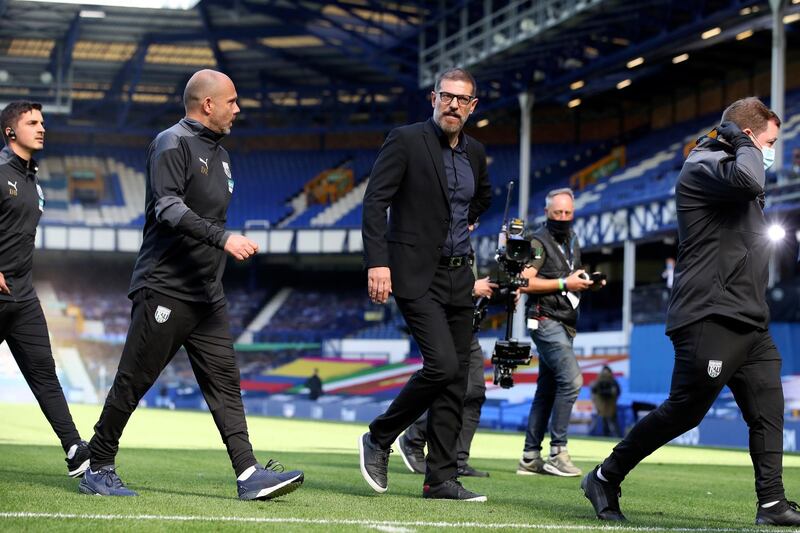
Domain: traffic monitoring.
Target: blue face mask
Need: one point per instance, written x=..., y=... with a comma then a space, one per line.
x=768, y=155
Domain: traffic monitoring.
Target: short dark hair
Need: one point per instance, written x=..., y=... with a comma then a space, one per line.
x=10, y=115
x=456, y=74
x=750, y=113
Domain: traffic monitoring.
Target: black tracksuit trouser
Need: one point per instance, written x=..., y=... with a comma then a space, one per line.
x=416, y=434
x=710, y=354
x=23, y=327
x=441, y=322
x=159, y=326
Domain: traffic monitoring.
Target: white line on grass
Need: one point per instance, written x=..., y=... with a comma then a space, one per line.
x=368, y=523
x=392, y=529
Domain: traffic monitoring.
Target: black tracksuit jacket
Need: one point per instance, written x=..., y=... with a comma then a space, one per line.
x=189, y=186
x=723, y=253
x=21, y=206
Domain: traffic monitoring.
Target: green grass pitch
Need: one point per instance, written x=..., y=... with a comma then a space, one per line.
x=176, y=462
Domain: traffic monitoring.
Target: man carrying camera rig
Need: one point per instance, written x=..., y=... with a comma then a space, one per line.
x=554, y=291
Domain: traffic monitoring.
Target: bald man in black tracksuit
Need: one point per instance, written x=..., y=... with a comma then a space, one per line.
x=177, y=292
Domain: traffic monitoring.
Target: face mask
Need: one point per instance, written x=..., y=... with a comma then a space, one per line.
x=769, y=156
x=559, y=228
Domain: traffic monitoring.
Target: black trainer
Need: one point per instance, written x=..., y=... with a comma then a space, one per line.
x=603, y=495
x=451, y=490
x=412, y=456
x=268, y=482
x=80, y=460
x=374, y=463
x=104, y=482
x=468, y=471
x=783, y=513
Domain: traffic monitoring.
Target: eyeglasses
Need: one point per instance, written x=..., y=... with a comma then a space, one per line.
x=463, y=99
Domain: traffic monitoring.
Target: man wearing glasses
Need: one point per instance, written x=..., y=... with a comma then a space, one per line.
x=433, y=179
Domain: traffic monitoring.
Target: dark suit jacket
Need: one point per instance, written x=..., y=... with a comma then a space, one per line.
x=409, y=178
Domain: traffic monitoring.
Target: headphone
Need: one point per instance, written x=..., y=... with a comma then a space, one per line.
x=11, y=134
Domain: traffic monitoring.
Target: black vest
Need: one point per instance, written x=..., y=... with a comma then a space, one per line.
x=555, y=305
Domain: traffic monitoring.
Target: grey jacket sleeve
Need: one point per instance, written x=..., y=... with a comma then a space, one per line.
x=168, y=179
x=738, y=178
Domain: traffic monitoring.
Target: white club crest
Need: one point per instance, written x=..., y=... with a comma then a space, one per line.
x=162, y=314
x=227, y=168
x=714, y=368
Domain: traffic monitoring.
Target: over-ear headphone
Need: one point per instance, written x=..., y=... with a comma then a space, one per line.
x=11, y=134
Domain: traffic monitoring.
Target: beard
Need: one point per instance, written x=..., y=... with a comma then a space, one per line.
x=449, y=127
x=220, y=125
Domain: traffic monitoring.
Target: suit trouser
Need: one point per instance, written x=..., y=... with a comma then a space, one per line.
x=710, y=354
x=203, y=329
x=473, y=401
x=441, y=322
x=24, y=328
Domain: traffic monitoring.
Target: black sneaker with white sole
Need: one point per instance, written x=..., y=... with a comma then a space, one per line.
x=451, y=490
x=604, y=497
x=413, y=457
x=783, y=513
x=79, y=462
x=374, y=462
x=269, y=482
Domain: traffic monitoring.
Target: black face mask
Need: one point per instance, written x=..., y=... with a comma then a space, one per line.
x=559, y=229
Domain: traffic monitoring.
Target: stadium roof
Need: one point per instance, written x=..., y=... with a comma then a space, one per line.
x=297, y=57
x=346, y=64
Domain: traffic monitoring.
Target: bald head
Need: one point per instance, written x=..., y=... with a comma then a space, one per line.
x=210, y=98
x=203, y=83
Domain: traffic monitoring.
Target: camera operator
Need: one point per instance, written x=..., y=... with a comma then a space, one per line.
x=554, y=291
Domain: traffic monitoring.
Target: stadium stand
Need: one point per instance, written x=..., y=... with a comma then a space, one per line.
x=314, y=315
x=286, y=139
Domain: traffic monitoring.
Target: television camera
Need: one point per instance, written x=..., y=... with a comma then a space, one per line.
x=513, y=254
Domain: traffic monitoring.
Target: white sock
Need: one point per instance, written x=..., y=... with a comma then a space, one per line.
x=770, y=504
x=71, y=451
x=602, y=478
x=555, y=450
x=244, y=476
x=530, y=456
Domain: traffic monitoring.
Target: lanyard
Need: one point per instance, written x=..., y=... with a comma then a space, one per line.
x=567, y=253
